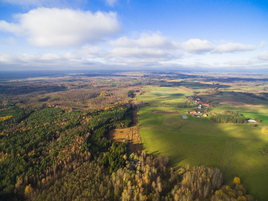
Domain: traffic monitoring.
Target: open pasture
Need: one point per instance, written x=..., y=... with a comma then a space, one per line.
x=163, y=95
x=250, y=107
x=198, y=141
x=165, y=112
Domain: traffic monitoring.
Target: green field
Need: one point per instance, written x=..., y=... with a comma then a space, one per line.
x=198, y=141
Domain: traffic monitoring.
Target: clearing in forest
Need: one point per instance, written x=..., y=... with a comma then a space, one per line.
x=131, y=134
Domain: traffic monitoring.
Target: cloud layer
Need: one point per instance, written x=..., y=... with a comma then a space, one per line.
x=145, y=40
x=202, y=46
x=59, y=28
x=233, y=47
x=85, y=40
x=263, y=56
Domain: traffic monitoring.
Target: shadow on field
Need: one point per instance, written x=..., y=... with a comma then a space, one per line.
x=169, y=95
x=155, y=153
x=204, y=143
x=174, y=160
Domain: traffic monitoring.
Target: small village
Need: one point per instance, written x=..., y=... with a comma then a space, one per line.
x=200, y=104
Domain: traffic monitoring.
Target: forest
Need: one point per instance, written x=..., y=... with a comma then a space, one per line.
x=39, y=144
x=228, y=117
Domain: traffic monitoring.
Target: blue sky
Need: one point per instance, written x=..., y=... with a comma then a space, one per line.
x=133, y=35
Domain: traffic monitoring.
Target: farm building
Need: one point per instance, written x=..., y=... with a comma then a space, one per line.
x=252, y=121
x=184, y=116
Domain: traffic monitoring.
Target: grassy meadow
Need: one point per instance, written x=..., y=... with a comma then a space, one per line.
x=198, y=141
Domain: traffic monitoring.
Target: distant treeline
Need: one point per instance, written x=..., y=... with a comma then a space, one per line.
x=26, y=89
x=228, y=117
x=236, y=79
x=260, y=96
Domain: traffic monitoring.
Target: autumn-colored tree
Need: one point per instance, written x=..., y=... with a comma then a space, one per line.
x=241, y=198
x=237, y=180
x=104, y=93
x=28, y=190
x=5, y=118
x=264, y=130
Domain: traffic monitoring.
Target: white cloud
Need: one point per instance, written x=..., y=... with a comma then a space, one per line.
x=233, y=47
x=10, y=27
x=197, y=46
x=201, y=46
x=140, y=53
x=262, y=44
x=263, y=56
x=145, y=51
x=111, y=2
x=60, y=28
x=17, y=59
x=239, y=63
x=6, y=58
x=154, y=47
x=145, y=40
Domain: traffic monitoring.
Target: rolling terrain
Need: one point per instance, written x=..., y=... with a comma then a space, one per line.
x=234, y=148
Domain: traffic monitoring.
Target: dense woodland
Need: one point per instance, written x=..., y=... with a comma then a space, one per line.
x=49, y=142
x=54, y=146
x=228, y=117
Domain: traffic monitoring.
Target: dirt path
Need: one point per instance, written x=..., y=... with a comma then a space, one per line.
x=131, y=134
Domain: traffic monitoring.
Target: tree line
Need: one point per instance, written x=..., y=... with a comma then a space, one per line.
x=228, y=117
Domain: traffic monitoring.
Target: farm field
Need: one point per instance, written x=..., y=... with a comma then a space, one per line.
x=198, y=141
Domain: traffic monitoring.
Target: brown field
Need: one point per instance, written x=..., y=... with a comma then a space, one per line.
x=165, y=112
x=130, y=135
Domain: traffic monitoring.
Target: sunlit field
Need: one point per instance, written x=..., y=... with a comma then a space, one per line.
x=198, y=141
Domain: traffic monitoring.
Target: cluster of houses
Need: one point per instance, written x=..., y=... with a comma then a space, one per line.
x=196, y=113
x=200, y=103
